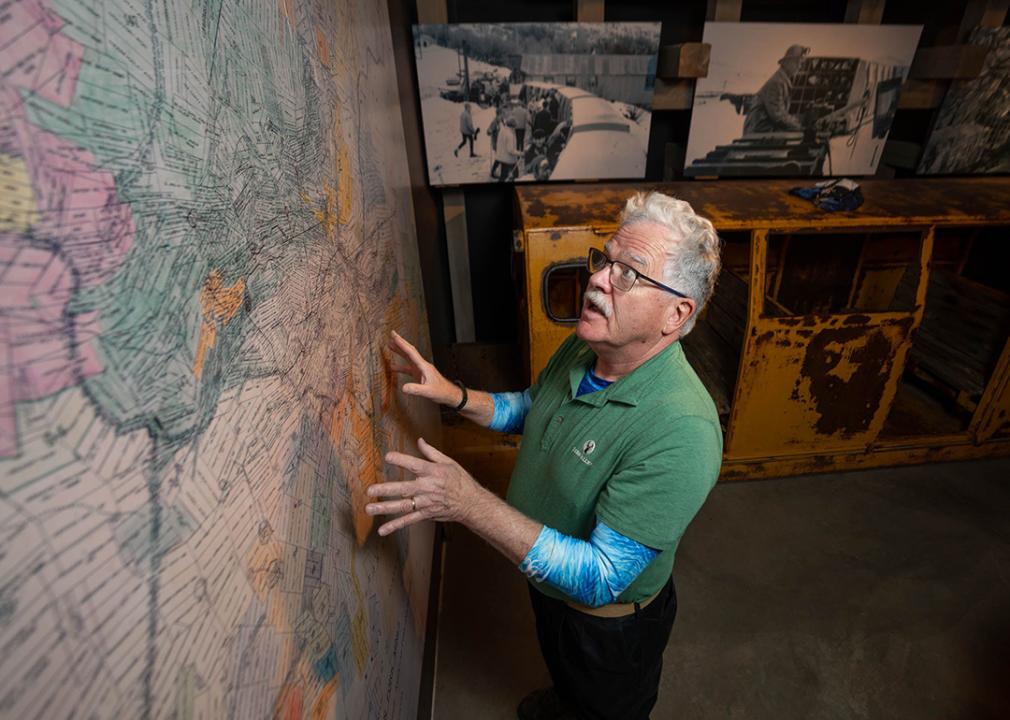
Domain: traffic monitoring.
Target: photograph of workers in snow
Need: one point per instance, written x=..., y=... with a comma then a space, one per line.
x=527, y=102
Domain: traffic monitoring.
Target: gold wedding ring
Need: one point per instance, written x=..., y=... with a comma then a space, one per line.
x=413, y=504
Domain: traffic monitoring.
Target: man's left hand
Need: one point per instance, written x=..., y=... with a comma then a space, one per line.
x=442, y=490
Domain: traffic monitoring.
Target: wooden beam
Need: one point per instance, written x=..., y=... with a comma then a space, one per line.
x=673, y=94
x=982, y=13
x=432, y=12
x=454, y=211
x=864, y=12
x=723, y=11
x=948, y=62
x=673, y=161
x=922, y=94
x=589, y=10
x=686, y=60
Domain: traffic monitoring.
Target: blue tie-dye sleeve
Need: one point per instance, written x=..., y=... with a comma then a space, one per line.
x=510, y=411
x=593, y=572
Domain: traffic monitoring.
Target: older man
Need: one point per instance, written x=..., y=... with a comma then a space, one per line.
x=769, y=110
x=621, y=446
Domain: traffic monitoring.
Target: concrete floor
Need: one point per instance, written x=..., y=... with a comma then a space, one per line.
x=878, y=594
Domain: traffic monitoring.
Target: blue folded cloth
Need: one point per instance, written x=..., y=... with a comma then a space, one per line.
x=832, y=195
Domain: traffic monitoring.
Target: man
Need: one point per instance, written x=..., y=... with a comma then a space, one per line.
x=535, y=158
x=466, y=129
x=621, y=446
x=492, y=132
x=520, y=117
x=769, y=108
x=556, y=142
x=507, y=152
x=542, y=120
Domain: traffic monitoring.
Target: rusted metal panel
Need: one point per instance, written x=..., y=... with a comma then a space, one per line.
x=817, y=381
x=749, y=204
x=813, y=391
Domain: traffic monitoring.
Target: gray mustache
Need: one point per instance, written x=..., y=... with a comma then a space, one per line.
x=598, y=300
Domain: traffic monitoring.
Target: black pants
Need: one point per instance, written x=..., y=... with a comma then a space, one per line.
x=520, y=136
x=605, y=668
x=464, y=141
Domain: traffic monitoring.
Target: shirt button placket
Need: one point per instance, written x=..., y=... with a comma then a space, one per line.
x=551, y=432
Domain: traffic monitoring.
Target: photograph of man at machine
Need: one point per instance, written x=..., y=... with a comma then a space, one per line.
x=819, y=100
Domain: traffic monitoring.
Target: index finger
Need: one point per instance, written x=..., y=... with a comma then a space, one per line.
x=411, y=352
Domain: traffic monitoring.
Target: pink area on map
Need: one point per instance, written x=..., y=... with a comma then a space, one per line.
x=80, y=237
x=34, y=53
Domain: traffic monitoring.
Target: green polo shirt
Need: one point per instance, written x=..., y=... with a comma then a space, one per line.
x=641, y=455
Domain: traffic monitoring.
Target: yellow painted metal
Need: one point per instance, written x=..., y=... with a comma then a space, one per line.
x=929, y=450
x=813, y=391
x=823, y=382
x=543, y=249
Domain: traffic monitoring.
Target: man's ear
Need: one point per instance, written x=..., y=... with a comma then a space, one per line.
x=680, y=312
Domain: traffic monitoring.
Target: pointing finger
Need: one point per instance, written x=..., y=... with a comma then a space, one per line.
x=411, y=352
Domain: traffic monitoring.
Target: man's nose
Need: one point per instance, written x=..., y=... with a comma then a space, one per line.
x=600, y=280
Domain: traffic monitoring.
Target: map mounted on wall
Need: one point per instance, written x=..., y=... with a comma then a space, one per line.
x=206, y=235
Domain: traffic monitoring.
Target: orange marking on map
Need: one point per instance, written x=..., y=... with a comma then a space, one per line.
x=289, y=703
x=324, y=48
x=345, y=181
x=321, y=707
x=287, y=10
x=219, y=305
x=362, y=463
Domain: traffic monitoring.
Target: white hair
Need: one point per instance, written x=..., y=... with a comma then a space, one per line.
x=693, y=247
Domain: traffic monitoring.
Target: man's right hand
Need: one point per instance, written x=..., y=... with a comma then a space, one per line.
x=428, y=382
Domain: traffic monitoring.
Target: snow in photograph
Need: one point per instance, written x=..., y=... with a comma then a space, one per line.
x=526, y=102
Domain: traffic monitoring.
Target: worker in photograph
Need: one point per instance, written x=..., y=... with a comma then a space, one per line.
x=467, y=130
x=621, y=446
x=769, y=108
x=507, y=152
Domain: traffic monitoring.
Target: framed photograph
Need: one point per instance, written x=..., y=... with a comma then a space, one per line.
x=972, y=130
x=530, y=102
x=795, y=99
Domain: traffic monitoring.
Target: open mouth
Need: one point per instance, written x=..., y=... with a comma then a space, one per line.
x=591, y=309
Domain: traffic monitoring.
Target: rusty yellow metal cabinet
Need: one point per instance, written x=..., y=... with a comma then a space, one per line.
x=831, y=336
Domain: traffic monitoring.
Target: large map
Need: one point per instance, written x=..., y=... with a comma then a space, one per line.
x=205, y=238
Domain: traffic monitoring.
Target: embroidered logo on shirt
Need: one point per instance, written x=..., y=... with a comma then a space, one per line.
x=587, y=449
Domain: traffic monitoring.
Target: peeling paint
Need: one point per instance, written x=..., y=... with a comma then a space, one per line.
x=846, y=384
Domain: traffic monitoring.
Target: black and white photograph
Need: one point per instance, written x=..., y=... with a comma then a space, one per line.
x=796, y=99
x=971, y=134
x=531, y=102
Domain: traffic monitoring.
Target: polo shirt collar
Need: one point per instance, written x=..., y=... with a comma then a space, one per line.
x=630, y=388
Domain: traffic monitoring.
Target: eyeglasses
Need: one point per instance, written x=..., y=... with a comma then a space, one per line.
x=622, y=275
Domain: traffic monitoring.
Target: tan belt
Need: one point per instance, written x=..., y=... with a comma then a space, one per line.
x=612, y=610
